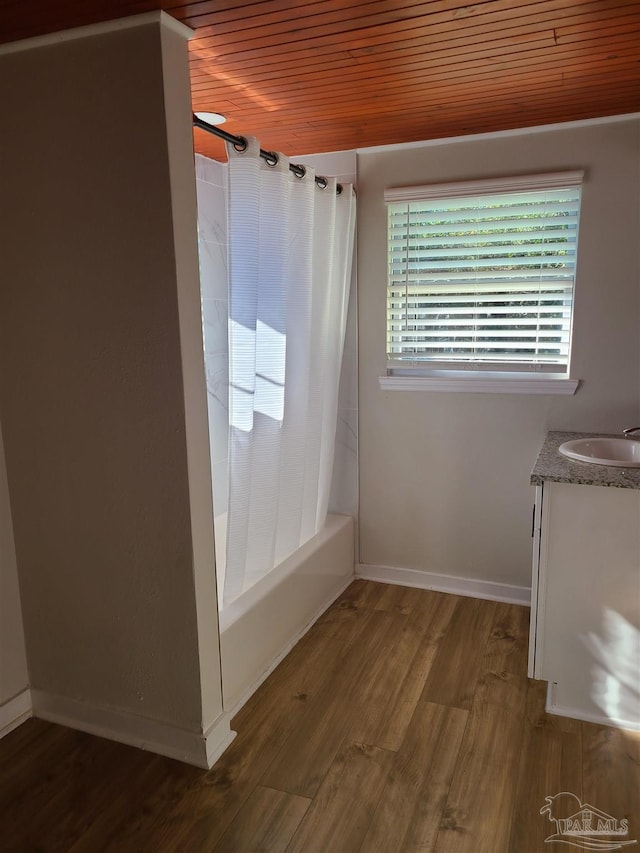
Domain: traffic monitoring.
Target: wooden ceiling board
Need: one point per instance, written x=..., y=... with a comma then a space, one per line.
x=422, y=29
x=478, y=69
x=327, y=75
x=409, y=50
x=439, y=37
x=456, y=57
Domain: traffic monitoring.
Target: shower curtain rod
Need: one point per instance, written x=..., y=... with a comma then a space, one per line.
x=240, y=144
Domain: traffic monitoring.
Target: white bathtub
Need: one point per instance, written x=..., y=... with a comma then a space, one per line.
x=264, y=623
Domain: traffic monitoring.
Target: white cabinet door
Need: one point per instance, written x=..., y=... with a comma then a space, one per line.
x=587, y=642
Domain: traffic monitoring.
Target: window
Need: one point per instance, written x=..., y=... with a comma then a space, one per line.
x=481, y=275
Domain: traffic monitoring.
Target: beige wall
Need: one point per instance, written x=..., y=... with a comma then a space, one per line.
x=444, y=477
x=101, y=376
x=14, y=677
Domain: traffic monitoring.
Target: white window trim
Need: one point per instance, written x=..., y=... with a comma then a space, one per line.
x=486, y=382
x=521, y=183
x=424, y=378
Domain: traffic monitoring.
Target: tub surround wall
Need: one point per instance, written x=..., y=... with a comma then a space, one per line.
x=15, y=700
x=102, y=387
x=444, y=477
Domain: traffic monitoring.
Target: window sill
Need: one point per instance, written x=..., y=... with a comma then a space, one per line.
x=485, y=383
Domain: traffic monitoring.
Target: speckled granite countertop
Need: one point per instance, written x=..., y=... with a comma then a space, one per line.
x=552, y=466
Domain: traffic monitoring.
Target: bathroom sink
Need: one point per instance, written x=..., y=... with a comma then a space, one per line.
x=620, y=452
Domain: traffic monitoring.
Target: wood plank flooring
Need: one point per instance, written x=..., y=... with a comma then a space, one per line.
x=403, y=721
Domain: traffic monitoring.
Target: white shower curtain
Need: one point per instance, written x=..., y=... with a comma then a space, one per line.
x=290, y=253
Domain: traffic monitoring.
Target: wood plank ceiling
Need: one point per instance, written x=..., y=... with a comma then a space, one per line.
x=326, y=75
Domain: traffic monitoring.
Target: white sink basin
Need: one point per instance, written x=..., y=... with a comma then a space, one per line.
x=620, y=452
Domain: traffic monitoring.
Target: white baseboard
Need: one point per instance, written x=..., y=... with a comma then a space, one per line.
x=217, y=738
x=586, y=716
x=446, y=583
x=196, y=748
x=14, y=712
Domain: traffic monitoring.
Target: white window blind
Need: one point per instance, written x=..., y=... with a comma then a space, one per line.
x=482, y=274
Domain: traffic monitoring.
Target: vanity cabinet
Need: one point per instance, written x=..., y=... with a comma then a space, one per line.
x=585, y=598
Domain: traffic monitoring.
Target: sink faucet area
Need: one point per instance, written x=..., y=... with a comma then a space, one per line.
x=617, y=452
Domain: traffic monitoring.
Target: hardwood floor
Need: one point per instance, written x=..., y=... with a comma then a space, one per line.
x=403, y=721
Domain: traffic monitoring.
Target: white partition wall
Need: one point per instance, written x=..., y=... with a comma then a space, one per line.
x=15, y=701
x=102, y=386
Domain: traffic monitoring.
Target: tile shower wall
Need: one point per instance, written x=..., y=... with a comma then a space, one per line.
x=213, y=264
x=212, y=233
